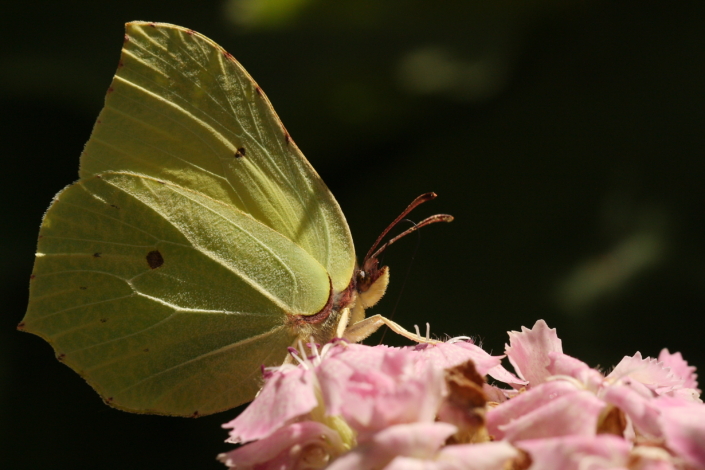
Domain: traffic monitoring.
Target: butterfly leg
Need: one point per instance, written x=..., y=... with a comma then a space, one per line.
x=362, y=329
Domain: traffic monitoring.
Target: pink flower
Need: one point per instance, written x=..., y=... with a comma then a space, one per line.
x=429, y=407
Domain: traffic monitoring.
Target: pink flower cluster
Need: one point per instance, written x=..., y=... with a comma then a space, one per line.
x=355, y=407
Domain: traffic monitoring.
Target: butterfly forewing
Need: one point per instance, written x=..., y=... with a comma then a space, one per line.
x=182, y=108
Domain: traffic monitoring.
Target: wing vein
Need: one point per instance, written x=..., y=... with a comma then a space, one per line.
x=204, y=355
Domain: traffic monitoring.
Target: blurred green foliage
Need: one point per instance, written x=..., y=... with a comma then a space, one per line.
x=565, y=137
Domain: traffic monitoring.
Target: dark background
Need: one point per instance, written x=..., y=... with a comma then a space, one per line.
x=565, y=137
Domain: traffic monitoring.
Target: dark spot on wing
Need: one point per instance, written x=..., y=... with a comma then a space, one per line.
x=120, y=64
x=146, y=350
x=83, y=287
x=152, y=25
x=113, y=205
x=154, y=259
x=190, y=31
x=195, y=414
x=99, y=121
x=31, y=277
x=258, y=90
x=287, y=137
x=240, y=152
x=110, y=90
x=20, y=326
x=61, y=357
x=108, y=400
x=127, y=38
x=160, y=182
x=228, y=55
x=96, y=255
x=103, y=320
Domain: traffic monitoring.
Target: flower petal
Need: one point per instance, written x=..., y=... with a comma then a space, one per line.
x=647, y=371
x=562, y=364
x=680, y=368
x=417, y=440
x=391, y=392
x=648, y=457
x=447, y=355
x=575, y=414
x=485, y=456
x=683, y=425
x=528, y=351
x=552, y=409
x=309, y=442
x=288, y=393
x=503, y=375
x=641, y=410
x=525, y=403
x=577, y=452
x=408, y=463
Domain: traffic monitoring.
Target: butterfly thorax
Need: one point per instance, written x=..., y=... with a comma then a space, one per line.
x=322, y=325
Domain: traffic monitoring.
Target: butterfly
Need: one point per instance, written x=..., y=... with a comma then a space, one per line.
x=198, y=243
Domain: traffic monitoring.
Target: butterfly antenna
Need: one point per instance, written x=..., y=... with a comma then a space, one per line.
x=372, y=254
x=423, y=223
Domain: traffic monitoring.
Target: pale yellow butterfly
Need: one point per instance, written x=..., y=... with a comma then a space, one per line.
x=198, y=244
